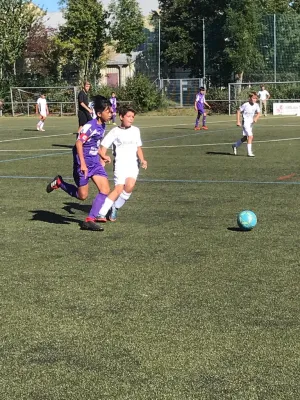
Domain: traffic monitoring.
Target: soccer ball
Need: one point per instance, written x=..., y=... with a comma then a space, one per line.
x=246, y=220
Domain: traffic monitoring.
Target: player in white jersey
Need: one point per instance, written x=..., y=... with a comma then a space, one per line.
x=42, y=109
x=251, y=112
x=128, y=155
x=263, y=96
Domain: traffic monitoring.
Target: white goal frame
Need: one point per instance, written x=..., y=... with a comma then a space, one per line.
x=36, y=90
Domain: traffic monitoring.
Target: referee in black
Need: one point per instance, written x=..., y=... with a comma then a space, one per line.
x=84, y=112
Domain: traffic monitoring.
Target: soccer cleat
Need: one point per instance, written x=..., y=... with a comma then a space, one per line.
x=204, y=127
x=101, y=218
x=55, y=184
x=234, y=149
x=197, y=128
x=42, y=130
x=251, y=155
x=113, y=214
x=90, y=225
x=114, y=123
x=37, y=128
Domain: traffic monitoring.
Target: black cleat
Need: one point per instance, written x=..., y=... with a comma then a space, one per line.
x=54, y=184
x=91, y=226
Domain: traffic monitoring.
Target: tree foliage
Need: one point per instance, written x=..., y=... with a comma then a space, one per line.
x=126, y=25
x=82, y=38
x=17, y=18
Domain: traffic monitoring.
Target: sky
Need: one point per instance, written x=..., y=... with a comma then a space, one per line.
x=52, y=5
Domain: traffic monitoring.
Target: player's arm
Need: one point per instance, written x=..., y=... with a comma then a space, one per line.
x=268, y=96
x=238, y=117
x=79, y=148
x=207, y=105
x=257, y=115
x=37, y=108
x=140, y=155
x=102, y=153
x=47, y=109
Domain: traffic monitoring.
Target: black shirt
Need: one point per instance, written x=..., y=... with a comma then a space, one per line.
x=83, y=98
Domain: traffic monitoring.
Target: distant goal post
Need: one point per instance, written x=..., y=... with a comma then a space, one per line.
x=280, y=92
x=61, y=100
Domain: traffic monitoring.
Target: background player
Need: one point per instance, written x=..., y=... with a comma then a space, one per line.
x=84, y=112
x=200, y=109
x=113, y=101
x=251, y=112
x=128, y=153
x=263, y=95
x=42, y=109
x=87, y=164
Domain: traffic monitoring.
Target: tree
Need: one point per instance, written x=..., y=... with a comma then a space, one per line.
x=242, y=29
x=127, y=25
x=83, y=37
x=16, y=20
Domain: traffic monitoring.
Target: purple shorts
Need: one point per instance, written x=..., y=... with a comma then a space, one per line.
x=201, y=110
x=94, y=169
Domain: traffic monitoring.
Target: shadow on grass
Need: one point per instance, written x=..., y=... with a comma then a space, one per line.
x=70, y=207
x=237, y=229
x=30, y=130
x=219, y=153
x=68, y=146
x=52, y=218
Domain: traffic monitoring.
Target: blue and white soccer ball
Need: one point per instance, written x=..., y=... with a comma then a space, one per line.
x=246, y=220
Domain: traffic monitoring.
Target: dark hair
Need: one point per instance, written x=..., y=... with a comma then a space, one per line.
x=123, y=110
x=113, y=93
x=100, y=103
x=201, y=88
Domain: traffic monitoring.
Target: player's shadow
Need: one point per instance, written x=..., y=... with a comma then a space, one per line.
x=52, y=218
x=236, y=229
x=219, y=153
x=30, y=130
x=68, y=146
x=70, y=207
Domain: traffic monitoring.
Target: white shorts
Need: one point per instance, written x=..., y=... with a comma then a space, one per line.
x=43, y=114
x=247, y=129
x=121, y=174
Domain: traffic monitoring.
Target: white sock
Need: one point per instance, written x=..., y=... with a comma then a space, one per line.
x=39, y=124
x=124, y=196
x=249, y=148
x=106, y=206
x=42, y=125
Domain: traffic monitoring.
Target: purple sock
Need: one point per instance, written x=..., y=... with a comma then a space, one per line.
x=72, y=190
x=204, y=120
x=197, y=122
x=97, y=204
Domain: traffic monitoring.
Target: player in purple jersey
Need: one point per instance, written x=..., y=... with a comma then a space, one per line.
x=88, y=165
x=200, y=104
x=113, y=101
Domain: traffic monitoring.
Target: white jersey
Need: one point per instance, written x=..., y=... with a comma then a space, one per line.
x=42, y=106
x=249, y=110
x=263, y=94
x=125, y=145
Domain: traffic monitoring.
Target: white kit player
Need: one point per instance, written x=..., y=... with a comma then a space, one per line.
x=251, y=112
x=128, y=155
x=263, y=96
x=42, y=110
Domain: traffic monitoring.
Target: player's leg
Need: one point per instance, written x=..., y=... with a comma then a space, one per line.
x=249, y=144
x=109, y=201
x=242, y=140
x=204, y=121
x=113, y=117
x=123, y=197
x=197, y=128
x=42, y=122
x=265, y=108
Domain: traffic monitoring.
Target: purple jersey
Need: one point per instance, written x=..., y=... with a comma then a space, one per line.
x=200, y=100
x=91, y=134
x=113, y=101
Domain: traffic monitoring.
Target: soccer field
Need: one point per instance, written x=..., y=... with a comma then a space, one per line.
x=172, y=301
